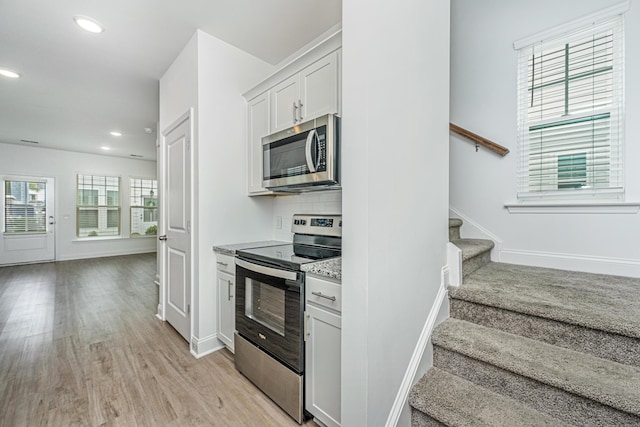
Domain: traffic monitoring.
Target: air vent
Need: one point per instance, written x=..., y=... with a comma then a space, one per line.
x=136, y=155
x=29, y=141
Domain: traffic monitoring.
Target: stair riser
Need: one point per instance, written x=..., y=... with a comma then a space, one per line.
x=472, y=264
x=420, y=419
x=557, y=403
x=618, y=348
x=454, y=233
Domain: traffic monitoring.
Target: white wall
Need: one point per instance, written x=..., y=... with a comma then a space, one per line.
x=225, y=214
x=483, y=100
x=316, y=202
x=63, y=166
x=395, y=192
x=210, y=77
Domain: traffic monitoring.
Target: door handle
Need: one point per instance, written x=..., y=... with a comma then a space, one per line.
x=321, y=295
x=163, y=237
x=229, y=291
x=295, y=109
x=310, y=164
x=300, y=108
x=51, y=221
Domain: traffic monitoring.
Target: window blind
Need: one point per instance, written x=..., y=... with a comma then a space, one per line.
x=143, y=195
x=570, y=112
x=97, y=206
x=25, y=207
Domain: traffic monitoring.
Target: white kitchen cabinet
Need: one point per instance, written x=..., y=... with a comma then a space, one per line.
x=312, y=92
x=323, y=337
x=226, y=299
x=258, y=120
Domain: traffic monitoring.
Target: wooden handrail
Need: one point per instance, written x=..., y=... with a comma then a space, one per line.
x=479, y=140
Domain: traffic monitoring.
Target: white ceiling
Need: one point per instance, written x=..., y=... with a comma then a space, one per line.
x=76, y=86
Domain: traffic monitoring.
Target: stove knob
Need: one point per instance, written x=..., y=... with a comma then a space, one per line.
x=296, y=221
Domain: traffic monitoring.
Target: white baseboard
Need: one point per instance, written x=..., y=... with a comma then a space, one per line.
x=589, y=264
x=473, y=230
x=201, y=347
x=400, y=403
x=104, y=254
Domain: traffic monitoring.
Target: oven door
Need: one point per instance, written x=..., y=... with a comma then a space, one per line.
x=270, y=310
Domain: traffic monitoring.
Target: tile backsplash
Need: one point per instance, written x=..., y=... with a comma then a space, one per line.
x=316, y=202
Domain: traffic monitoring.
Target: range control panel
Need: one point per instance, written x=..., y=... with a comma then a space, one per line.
x=324, y=225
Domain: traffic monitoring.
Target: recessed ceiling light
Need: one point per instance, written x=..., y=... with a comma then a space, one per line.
x=106, y=148
x=88, y=24
x=9, y=73
x=115, y=133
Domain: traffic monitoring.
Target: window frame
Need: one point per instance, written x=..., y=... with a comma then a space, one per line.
x=152, y=196
x=107, y=207
x=614, y=185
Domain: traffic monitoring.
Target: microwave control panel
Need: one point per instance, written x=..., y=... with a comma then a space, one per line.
x=327, y=225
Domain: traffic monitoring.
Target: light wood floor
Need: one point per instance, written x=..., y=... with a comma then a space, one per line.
x=80, y=345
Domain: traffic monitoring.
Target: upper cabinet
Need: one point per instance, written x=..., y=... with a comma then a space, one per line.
x=306, y=88
x=258, y=118
x=306, y=95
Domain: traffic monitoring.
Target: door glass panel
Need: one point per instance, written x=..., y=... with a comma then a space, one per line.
x=25, y=207
x=265, y=304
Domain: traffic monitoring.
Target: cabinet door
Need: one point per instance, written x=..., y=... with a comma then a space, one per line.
x=323, y=372
x=258, y=118
x=226, y=308
x=319, y=87
x=284, y=104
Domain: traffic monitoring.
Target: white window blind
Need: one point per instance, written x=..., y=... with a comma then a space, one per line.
x=144, y=207
x=570, y=111
x=97, y=206
x=25, y=207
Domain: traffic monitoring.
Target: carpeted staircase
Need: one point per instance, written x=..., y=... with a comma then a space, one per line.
x=529, y=346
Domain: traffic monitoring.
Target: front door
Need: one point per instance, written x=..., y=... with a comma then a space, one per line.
x=176, y=146
x=28, y=226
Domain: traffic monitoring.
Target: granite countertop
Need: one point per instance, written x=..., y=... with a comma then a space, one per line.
x=231, y=249
x=331, y=267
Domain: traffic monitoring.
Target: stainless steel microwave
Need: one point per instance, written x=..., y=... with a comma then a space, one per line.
x=304, y=157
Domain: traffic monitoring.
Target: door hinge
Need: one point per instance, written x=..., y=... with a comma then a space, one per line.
x=189, y=227
x=188, y=308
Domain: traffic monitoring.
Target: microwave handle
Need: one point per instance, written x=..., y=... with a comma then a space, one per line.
x=310, y=164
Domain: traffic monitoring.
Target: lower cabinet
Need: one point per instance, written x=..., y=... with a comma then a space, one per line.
x=323, y=350
x=226, y=299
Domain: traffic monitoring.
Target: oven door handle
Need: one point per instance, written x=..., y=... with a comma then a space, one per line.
x=312, y=167
x=269, y=271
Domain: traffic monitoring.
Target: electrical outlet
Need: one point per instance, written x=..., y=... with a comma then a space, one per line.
x=279, y=222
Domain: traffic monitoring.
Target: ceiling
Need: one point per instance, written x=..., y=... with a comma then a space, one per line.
x=76, y=87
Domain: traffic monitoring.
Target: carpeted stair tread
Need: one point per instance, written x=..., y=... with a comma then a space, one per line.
x=455, y=222
x=473, y=247
x=454, y=401
x=601, y=302
x=600, y=380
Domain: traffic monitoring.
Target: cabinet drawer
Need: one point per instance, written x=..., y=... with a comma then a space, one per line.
x=226, y=263
x=323, y=292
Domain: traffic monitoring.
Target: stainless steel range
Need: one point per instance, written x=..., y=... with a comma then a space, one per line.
x=269, y=342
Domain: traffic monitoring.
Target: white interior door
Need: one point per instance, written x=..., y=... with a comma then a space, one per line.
x=28, y=220
x=176, y=237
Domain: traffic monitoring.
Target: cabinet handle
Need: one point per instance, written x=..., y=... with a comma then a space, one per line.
x=306, y=328
x=222, y=263
x=295, y=111
x=300, y=108
x=229, y=291
x=319, y=294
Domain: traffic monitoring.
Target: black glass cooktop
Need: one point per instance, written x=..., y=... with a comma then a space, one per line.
x=290, y=256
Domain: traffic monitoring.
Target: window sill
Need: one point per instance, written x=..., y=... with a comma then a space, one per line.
x=573, y=208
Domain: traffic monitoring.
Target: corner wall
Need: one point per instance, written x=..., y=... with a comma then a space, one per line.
x=395, y=193
x=483, y=100
x=64, y=166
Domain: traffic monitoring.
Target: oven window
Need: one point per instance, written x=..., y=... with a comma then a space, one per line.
x=265, y=304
